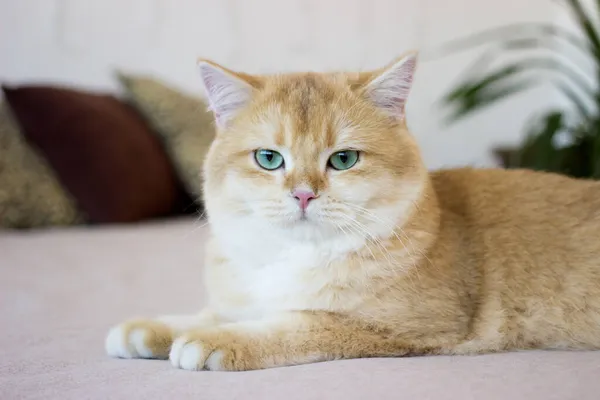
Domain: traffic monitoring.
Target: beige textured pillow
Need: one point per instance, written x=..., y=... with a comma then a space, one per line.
x=182, y=122
x=30, y=193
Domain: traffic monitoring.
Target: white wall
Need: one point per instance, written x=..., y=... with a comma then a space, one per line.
x=82, y=42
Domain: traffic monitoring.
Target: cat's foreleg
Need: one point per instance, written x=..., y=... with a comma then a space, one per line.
x=152, y=338
x=286, y=339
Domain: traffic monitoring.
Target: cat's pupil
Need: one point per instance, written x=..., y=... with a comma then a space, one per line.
x=343, y=158
x=269, y=156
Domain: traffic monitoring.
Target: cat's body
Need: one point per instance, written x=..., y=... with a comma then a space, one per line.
x=382, y=258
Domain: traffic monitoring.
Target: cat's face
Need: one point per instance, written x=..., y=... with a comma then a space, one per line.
x=314, y=154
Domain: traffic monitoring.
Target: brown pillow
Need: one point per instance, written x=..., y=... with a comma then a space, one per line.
x=182, y=122
x=101, y=150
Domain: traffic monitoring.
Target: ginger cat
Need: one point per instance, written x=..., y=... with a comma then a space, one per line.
x=331, y=240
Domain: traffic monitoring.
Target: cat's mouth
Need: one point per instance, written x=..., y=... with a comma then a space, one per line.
x=300, y=217
x=303, y=217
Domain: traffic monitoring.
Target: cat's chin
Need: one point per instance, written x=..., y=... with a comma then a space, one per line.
x=301, y=222
x=310, y=228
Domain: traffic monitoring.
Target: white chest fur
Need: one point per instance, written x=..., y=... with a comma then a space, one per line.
x=270, y=271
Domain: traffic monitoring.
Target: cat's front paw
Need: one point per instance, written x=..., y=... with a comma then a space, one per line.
x=139, y=339
x=214, y=350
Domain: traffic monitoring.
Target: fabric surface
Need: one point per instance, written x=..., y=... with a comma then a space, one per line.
x=30, y=193
x=58, y=302
x=102, y=151
x=183, y=123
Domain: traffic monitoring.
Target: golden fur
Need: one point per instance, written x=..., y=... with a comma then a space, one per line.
x=459, y=261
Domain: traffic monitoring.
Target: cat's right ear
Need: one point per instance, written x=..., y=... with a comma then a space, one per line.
x=227, y=91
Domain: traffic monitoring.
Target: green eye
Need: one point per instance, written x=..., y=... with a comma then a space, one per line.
x=268, y=159
x=343, y=160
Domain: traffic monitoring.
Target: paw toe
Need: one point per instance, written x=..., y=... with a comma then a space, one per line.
x=187, y=355
x=138, y=339
x=192, y=357
x=175, y=353
x=141, y=339
x=214, y=362
x=116, y=343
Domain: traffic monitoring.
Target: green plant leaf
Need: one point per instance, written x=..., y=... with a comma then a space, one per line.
x=538, y=152
x=486, y=84
x=517, y=31
x=574, y=160
x=483, y=98
x=593, y=135
x=517, y=45
x=473, y=86
x=585, y=25
x=579, y=104
x=479, y=92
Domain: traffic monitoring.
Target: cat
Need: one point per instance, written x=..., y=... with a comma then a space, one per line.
x=331, y=240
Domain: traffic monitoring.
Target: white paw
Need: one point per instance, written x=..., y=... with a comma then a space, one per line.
x=214, y=362
x=124, y=342
x=215, y=350
x=187, y=355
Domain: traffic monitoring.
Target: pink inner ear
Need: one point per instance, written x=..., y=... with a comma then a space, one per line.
x=391, y=89
x=226, y=93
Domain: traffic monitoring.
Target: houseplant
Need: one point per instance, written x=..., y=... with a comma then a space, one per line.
x=541, y=53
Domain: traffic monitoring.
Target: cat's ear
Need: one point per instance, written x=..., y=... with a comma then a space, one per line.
x=389, y=88
x=227, y=91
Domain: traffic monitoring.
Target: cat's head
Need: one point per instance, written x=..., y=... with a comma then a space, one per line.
x=312, y=154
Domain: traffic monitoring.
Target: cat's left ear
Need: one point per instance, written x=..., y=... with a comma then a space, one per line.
x=228, y=92
x=390, y=87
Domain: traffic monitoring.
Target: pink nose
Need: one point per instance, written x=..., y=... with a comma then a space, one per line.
x=303, y=197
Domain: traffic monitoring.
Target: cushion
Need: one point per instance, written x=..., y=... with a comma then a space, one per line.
x=30, y=194
x=183, y=123
x=102, y=151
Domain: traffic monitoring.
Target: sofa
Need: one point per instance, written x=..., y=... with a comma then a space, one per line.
x=61, y=289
